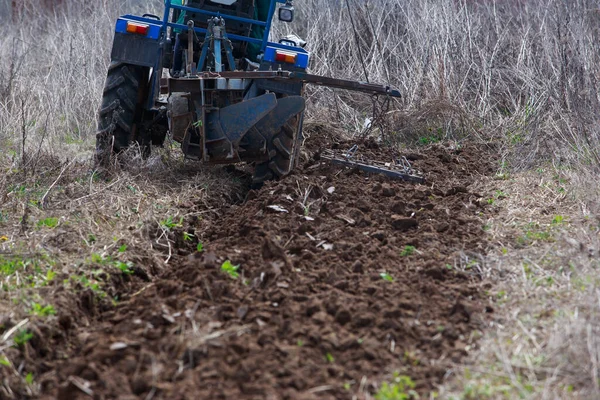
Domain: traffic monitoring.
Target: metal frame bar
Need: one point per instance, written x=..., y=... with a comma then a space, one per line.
x=306, y=78
x=264, y=42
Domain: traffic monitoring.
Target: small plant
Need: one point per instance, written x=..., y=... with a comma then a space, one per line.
x=408, y=251
x=557, y=220
x=99, y=259
x=125, y=267
x=42, y=311
x=123, y=248
x=29, y=378
x=93, y=285
x=329, y=358
x=386, y=277
x=200, y=247
x=401, y=388
x=500, y=195
x=230, y=269
x=23, y=336
x=170, y=223
x=50, y=222
x=187, y=237
x=4, y=361
x=299, y=343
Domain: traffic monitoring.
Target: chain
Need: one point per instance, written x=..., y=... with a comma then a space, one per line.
x=381, y=106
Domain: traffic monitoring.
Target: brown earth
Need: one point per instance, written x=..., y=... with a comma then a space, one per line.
x=310, y=315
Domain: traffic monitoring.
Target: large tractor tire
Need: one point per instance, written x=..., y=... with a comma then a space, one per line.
x=120, y=115
x=283, y=152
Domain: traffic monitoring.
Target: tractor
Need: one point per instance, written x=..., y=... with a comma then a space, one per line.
x=207, y=75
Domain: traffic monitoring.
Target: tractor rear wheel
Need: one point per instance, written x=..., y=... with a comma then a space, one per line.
x=282, y=150
x=120, y=115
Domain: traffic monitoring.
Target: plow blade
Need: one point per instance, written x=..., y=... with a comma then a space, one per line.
x=226, y=127
x=253, y=146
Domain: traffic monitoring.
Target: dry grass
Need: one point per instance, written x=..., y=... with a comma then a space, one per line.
x=543, y=341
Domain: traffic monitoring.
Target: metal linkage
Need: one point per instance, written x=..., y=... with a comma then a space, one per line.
x=398, y=168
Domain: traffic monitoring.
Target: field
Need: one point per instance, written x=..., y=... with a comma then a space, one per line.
x=167, y=279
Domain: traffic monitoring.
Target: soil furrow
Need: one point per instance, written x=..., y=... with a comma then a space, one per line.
x=343, y=279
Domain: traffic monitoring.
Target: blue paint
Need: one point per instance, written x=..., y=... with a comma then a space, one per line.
x=154, y=28
x=302, y=56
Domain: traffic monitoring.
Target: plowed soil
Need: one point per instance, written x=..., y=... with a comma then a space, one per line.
x=343, y=279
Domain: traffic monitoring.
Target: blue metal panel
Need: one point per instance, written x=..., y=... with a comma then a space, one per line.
x=302, y=58
x=216, y=14
x=153, y=31
x=203, y=31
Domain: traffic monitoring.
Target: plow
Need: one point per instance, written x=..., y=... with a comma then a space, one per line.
x=206, y=75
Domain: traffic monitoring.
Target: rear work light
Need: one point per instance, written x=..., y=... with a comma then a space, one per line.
x=140, y=29
x=286, y=57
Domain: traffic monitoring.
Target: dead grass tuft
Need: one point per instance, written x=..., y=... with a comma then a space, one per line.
x=543, y=341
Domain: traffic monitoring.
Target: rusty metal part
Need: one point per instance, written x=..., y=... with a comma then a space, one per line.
x=190, y=67
x=180, y=115
x=297, y=77
x=397, y=169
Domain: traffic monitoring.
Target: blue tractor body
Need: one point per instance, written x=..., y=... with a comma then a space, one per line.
x=230, y=95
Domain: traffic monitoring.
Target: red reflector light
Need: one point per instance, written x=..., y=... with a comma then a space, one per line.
x=282, y=56
x=140, y=29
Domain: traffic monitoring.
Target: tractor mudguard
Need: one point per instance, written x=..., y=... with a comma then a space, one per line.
x=226, y=126
x=134, y=47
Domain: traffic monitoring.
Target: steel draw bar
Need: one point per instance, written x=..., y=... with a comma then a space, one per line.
x=296, y=76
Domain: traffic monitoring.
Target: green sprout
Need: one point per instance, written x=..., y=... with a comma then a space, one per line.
x=125, y=267
x=23, y=336
x=230, y=269
x=387, y=277
x=45, y=311
x=401, y=388
x=408, y=250
x=170, y=223
x=329, y=358
x=48, y=222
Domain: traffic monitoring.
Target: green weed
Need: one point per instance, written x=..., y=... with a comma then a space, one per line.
x=125, y=267
x=42, y=311
x=50, y=222
x=401, y=388
x=22, y=336
x=170, y=223
x=386, y=277
x=230, y=269
x=408, y=250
